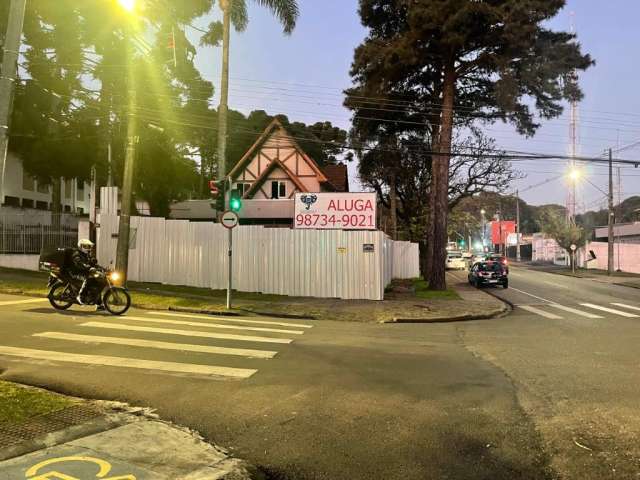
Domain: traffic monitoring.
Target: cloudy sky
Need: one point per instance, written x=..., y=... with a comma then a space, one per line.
x=303, y=75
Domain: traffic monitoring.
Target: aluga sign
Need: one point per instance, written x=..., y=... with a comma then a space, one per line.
x=335, y=211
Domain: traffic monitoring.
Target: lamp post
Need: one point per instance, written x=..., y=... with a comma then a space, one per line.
x=124, y=226
x=484, y=229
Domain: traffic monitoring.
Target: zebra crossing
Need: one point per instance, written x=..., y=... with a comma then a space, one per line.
x=213, y=341
x=553, y=311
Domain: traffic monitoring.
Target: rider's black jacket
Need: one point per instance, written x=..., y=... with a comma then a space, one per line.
x=82, y=262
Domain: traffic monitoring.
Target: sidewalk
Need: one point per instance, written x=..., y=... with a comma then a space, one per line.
x=407, y=300
x=110, y=438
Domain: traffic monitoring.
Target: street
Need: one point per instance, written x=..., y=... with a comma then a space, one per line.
x=548, y=391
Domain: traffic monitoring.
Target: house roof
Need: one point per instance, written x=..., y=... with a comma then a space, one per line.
x=271, y=128
x=338, y=176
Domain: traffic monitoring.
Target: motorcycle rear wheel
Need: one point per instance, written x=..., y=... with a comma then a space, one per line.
x=59, y=297
x=117, y=301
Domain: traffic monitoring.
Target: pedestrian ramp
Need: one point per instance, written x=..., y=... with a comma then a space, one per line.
x=217, y=347
x=556, y=311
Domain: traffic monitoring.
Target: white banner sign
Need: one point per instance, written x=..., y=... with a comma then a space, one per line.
x=335, y=211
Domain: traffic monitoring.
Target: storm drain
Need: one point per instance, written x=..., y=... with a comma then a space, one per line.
x=52, y=422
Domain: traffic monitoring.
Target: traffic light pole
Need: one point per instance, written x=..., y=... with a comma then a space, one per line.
x=230, y=270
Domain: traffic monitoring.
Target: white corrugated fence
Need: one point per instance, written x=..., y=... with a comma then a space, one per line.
x=309, y=263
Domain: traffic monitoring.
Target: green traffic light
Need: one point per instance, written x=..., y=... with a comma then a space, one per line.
x=235, y=202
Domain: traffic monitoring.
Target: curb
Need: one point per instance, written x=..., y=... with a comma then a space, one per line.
x=496, y=313
x=234, y=314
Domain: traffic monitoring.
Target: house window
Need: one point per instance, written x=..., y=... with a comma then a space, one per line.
x=28, y=182
x=68, y=186
x=27, y=203
x=11, y=201
x=278, y=190
x=43, y=188
x=243, y=188
x=40, y=205
x=80, y=190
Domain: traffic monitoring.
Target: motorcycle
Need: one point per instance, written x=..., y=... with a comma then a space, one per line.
x=101, y=289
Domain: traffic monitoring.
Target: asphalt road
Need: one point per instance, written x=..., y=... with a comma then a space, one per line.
x=528, y=396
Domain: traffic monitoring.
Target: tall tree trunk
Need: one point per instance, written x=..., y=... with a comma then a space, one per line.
x=393, y=206
x=440, y=184
x=56, y=202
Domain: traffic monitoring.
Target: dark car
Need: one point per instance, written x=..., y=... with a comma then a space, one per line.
x=489, y=273
x=496, y=257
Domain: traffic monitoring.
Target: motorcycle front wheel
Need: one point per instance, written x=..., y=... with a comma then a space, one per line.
x=60, y=296
x=116, y=300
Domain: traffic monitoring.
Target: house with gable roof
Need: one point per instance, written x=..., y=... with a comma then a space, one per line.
x=269, y=175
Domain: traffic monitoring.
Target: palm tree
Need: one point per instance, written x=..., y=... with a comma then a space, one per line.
x=235, y=11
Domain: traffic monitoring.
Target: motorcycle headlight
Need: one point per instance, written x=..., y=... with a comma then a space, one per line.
x=114, y=276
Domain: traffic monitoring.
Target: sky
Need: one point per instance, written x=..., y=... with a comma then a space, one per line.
x=303, y=76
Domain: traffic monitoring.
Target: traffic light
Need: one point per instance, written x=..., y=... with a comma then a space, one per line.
x=462, y=243
x=235, y=201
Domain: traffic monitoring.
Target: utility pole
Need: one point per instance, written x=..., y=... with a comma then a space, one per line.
x=122, y=250
x=11, y=52
x=611, y=215
x=517, y=225
x=224, y=97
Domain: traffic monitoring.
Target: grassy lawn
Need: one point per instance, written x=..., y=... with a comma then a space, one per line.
x=18, y=403
x=423, y=292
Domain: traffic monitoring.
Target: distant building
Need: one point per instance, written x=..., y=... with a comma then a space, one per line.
x=25, y=196
x=268, y=176
x=622, y=232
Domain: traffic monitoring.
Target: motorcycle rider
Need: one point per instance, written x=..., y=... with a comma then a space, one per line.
x=83, y=264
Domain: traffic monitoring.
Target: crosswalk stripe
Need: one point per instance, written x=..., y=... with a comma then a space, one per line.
x=185, y=333
x=214, y=325
x=232, y=319
x=623, y=305
x=136, y=342
x=610, y=310
x=19, y=302
x=102, y=360
x=574, y=310
x=542, y=313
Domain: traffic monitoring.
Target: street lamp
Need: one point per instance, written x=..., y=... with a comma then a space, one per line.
x=128, y=5
x=484, y=229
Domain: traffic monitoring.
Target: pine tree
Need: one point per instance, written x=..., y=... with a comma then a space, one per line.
x=464, y=60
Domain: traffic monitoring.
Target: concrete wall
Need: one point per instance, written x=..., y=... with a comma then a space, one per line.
x=22, y=262
x=626, y=256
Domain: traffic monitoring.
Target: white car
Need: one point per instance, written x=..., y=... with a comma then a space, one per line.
x=455, y=261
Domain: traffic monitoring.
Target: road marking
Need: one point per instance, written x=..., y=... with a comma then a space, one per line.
x=19, y=302
x=542, y=313
x=624, y=305
x=574, y=310
x=231, y=319
x=531, y=295
x=186, y=333
x=101, y=360
x=610, y=310
x=214, y=325
x=135, y=342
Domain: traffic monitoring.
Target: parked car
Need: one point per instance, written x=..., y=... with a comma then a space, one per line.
x=496, y=257
x=489, y=273
x=455, y=261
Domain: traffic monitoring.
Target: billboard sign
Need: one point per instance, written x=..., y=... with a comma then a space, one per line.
x=500, y=231
x=335, y=211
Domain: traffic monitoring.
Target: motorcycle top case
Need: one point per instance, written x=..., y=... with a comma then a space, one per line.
x=55, y=257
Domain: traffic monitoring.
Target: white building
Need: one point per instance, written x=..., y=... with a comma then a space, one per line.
x=24, y=195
